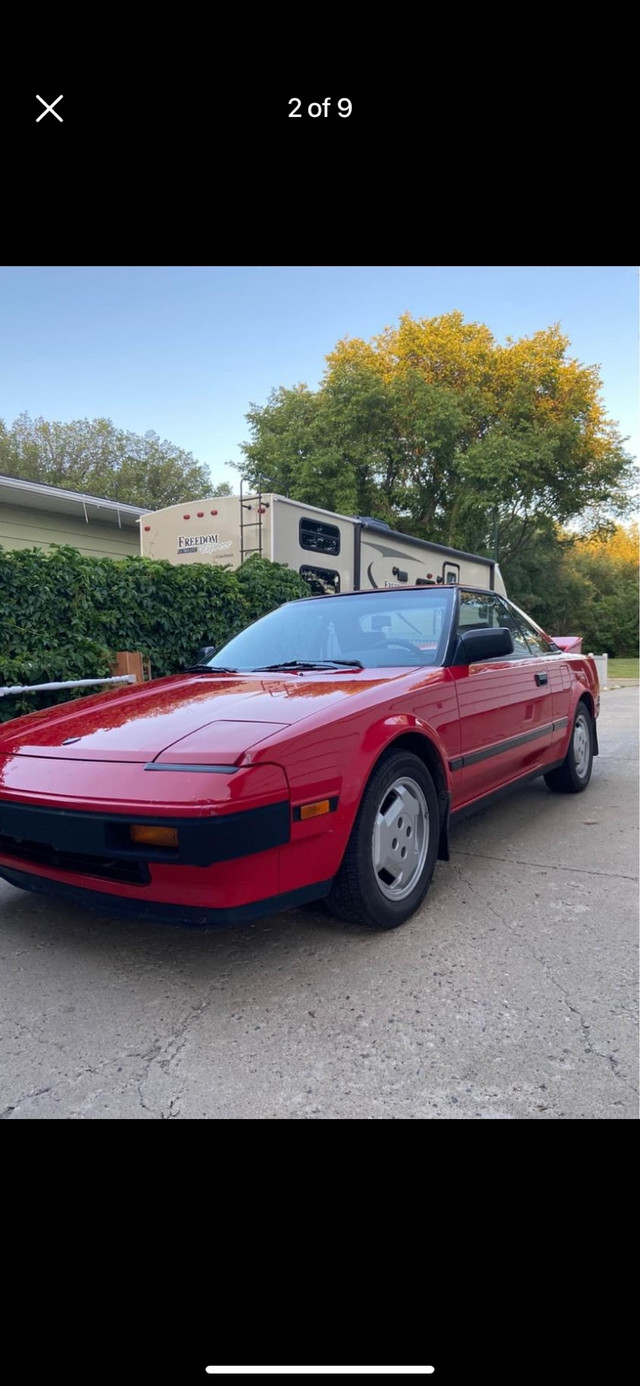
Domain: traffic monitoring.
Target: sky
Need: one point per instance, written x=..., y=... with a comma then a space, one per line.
x=184, y=351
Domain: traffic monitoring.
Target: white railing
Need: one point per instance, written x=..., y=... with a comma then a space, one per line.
x=70, y=683
x=601, y=665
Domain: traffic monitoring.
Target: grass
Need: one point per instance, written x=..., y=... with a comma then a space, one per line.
x=623, y=668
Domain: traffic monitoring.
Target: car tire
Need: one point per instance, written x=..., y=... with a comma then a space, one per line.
x=387, y=867
x=575, y=772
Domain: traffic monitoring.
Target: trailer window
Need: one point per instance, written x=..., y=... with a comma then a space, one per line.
x=322, y=581
x=321, y=537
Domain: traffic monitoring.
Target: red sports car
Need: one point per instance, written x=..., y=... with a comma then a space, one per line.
x=321, y=753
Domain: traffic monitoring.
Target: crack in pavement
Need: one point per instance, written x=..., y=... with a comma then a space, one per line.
x=584, y=1024
x=149, y=1056
x=35, y=1092
x=170, y=1051
x=96, y=1070
x=545, y=865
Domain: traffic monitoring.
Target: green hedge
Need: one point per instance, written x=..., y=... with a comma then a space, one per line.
x=63, y=616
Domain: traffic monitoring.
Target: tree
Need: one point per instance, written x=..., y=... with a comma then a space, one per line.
x=283, y=440
x=436, y=427
x=93, y=455
x=582, y=586
x=608, y=566
x=543, y=579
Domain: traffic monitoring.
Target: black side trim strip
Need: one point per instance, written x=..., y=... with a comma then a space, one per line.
x=191, y=916
x=561, y=722
x=196, y=769
x=473, y=757
x=510, y=744
x=486, y=800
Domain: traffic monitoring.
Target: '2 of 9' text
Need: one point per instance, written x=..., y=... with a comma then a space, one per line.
x=319, y=108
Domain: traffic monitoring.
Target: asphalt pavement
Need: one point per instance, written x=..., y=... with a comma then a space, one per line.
x=511, y=994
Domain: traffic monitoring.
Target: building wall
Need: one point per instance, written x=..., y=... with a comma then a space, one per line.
x=23, y=528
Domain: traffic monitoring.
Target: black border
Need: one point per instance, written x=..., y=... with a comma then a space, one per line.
x=188, y=155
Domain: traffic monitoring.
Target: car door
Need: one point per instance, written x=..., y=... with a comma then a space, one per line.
x=505, y=705
x=555, y=664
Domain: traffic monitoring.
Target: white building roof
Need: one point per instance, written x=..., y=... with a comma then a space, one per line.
x=36, y=495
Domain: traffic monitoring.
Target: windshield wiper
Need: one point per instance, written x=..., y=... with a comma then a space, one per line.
x=308, y=664
x=209, y=669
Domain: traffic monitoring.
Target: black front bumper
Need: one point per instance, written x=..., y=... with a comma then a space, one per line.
x=60, y=837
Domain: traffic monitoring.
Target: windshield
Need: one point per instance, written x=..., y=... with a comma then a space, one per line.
x=376, y=630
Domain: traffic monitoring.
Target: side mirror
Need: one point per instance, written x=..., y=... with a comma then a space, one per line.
x=475, y=645
x=203, y=655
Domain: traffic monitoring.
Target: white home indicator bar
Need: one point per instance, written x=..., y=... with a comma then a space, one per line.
x=319, y=1371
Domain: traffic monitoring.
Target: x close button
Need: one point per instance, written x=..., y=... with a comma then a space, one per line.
x=48, y=110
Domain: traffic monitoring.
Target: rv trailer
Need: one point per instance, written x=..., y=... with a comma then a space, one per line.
x=335, y=553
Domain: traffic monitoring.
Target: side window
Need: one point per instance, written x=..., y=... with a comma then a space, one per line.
x=538, y=642
x=322, y=581
x=473, y=612
x=506, y=616
x=483, y=610
x=321, y=537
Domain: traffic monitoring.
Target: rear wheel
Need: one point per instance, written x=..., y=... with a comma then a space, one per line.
x=389, y=861
x=575, y=772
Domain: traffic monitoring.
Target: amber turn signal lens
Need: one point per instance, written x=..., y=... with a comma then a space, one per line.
x=153, y=836
x=314, y=810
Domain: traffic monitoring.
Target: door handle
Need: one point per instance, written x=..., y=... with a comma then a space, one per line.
x=541, y=679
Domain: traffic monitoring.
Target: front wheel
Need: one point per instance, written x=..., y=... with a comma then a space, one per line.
x=575, y=772
x=389, y=861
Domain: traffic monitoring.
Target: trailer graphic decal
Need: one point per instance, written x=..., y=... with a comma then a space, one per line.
x=202, y=543
x=400, y=576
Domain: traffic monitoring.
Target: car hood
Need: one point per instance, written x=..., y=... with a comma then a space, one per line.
x=199, y=717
